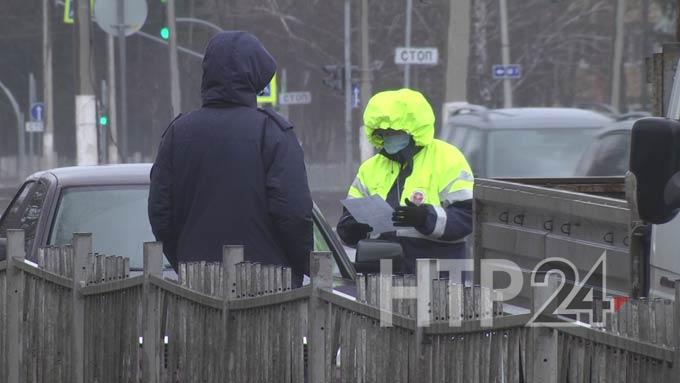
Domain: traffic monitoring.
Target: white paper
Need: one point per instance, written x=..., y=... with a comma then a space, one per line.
x=373, y=211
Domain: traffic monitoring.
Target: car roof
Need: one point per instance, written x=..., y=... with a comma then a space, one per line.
x=533, y=118
x=616, y=127
x=124, y=174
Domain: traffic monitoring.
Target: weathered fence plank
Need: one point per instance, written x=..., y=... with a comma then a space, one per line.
x=543, y=355
x=232, y=258
x=241, y=322
x=676, y=333
x=153, y=265
x=3, y=321
x=15, y=305
x=321, y=275
x=82, y=245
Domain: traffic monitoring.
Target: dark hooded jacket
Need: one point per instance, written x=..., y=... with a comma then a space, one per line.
x=230, y=173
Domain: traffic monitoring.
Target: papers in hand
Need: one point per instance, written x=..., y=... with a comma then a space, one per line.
x=373, y=211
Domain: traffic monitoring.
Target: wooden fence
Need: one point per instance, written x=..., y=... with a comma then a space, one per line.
x=79, y=317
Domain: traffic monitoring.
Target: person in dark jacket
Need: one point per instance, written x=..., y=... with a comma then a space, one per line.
x=230, y=173
x=427, y=182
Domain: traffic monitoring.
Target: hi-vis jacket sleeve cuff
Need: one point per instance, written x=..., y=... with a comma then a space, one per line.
x=452, y=223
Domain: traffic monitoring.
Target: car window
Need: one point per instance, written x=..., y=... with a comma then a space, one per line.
x=115, y=215
x=609, y=157
x=472, y=149
x=321, y=244
x=536, y=152
x=455, y=135
x=24, y=212
x=469, y=141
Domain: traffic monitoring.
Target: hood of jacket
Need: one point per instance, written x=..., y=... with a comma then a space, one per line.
x=236, y=67
x=404, y=110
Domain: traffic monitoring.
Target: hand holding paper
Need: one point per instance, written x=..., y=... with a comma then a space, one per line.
x=373, y=211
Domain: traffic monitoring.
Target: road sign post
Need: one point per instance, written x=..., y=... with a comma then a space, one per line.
x=356, y=96
x=269, y=93
x=512, y=71
x=34, y=127
x=416, y=56
x=37, y=111
x=295, y=98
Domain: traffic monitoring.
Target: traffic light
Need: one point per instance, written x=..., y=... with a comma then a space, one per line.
x=335, y=78
x=165, y=33
x=103, y=120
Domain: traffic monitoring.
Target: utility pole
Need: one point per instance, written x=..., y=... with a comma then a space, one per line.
x=86, y=108
x=32, y=99
x=458, y=50
x=122, y=66
x=644, y=96
x=366, y=87
x=349, y=150
x=175, y=96
x=111, y=80
x=677, y=24
x=49, y=155
x=407, y=44
x=617, y=64
x=505, y=44
x=285, y=111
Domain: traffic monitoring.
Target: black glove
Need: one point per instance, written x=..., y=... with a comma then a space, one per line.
x=410, y=215
x=355, y=232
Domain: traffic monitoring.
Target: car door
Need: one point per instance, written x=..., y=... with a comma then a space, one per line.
x=25, y=212
x=325, y=239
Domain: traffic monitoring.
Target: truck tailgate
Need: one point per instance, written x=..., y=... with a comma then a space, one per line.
x=528, y=223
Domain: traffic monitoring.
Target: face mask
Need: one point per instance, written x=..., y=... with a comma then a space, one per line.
x=394, y=144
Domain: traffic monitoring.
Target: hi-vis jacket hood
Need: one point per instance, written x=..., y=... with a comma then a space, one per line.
x=236, y=67
x=405, y=110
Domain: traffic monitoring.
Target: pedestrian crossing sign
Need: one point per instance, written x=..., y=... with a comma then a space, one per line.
x=269, y=94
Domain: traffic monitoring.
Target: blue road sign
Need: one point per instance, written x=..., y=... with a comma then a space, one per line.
x=356, y=96
x=512, y=71
x=37, y=112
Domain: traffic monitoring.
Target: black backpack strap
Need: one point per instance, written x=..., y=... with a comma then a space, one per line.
x=279, y=120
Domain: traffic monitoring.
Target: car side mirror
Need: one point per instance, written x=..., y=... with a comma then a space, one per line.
x=672, y=192
x=3, y=249
x=655, y=160
x=370, y=252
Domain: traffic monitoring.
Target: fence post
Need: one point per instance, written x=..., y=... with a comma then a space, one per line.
x=153, y=265
x=15, y=305
x=231, y=255
x=82, y=250
x=321, y=275
x=426, y=270
x=676, y=327
x=542, y=354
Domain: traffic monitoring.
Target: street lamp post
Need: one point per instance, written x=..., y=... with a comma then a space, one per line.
x=20, y=129
x=194, y=20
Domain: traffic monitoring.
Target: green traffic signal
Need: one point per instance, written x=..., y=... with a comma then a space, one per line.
x=103, y=120
x=165, y=33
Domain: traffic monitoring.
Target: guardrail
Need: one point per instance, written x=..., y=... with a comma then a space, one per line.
x=79, y=317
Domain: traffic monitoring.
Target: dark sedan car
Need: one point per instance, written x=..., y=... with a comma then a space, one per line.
x=111, y=203
x=521, y=142
x=609, y=153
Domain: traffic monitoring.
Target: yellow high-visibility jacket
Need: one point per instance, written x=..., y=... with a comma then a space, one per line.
x=440, y=177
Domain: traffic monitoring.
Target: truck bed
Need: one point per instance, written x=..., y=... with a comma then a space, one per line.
x=612, y=187
x=527, y=220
